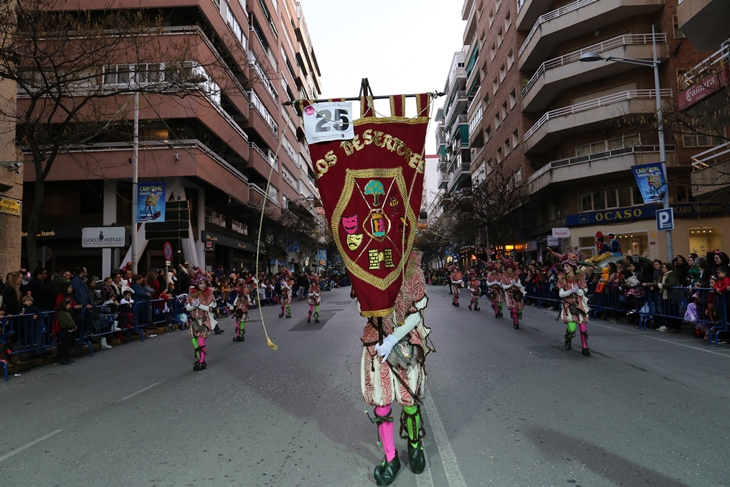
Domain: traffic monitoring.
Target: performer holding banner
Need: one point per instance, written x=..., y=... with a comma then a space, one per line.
x=370, y=177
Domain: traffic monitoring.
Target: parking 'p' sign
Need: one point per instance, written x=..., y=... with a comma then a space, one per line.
x=665, y=219
x=328, y=121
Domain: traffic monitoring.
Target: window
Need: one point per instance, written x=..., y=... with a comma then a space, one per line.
x=499, y=155
x=515, y=138
x=700, y=140
x=636, y=198
x=513, y=98
x=678, y=34
x=497, y=121
x=490, y=166
x=504, y=110
x=485, y=101
x=518, y=178
x=484, y=68
x=495, y=85
x=507, y=21
x=488, y=133
x=497, y=4
x=607, y=145
x=502, y=73
x=599, y=200
x=491, y=17
x=117, y=74
x=510, y=59
x=493, y=52
x=507, y=148
x=500, y=37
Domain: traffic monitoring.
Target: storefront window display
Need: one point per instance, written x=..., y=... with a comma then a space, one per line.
x=704, y=239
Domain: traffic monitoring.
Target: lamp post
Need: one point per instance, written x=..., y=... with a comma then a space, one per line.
x=135, y=181
x=654, y=64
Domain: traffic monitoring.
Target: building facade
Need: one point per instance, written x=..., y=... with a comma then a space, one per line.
x=214, y=151
x=568, y=131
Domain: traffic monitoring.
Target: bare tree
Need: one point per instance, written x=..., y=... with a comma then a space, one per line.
x=76, y=69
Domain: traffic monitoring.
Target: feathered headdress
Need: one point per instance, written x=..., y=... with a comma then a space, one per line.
x=492, y=266
x=509, y=264
x=198, y=275
x=571, y=257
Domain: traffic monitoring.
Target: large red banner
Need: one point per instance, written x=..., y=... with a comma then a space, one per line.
x=371, y=191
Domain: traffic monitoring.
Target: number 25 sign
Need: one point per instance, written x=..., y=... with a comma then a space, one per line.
x=328, y=121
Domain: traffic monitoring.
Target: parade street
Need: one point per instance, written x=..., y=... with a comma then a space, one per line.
x=504, y=407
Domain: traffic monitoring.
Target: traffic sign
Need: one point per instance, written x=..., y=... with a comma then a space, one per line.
x=168, y=251
x=665, y=219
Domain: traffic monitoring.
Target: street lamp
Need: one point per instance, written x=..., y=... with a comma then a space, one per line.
x=654, y=64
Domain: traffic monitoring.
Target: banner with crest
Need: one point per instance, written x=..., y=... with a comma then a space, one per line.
x=370, y=177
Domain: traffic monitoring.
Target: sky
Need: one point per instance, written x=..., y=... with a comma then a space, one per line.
x=401, y=46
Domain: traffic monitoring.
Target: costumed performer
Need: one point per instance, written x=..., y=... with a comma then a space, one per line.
x=514, y=291
x=240, y=314
x=396, y=371
x=474, y=290
x=315, y=299
x=286, y=293
x=456, y=283
x=495, y=292
x=201, y=306
x=572, y=289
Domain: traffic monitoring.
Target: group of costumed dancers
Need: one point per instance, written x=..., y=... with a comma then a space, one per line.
x=201, y=305
x=504, y=288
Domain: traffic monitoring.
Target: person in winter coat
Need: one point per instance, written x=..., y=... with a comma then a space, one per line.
x=67, y=330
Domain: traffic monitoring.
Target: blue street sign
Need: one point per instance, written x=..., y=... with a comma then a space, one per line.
x=665, y=219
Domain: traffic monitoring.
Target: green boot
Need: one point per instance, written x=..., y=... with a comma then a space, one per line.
x=410, y=423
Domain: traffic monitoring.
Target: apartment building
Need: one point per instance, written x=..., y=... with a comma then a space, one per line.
x=11, y=184
x=705, y=93
x=214, y=151
x=587, y=123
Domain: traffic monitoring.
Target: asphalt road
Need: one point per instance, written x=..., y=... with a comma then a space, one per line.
x=505, y=407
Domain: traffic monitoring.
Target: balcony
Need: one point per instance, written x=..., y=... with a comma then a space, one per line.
x=557, y=74
x=528, y=11
x=256, y=195
x=457, y=103
x=444, y=181
x=471, y=24
x=705, y=87
x=461, y=175
x=704, y=22
x=711, y=170
x=557, y=174
x=458, y=122
x=575, y=19
x=590, y=115
x=476, y=134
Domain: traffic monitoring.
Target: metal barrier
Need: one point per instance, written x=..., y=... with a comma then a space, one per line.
x=154, y=312
x=619, y=299
x=540, y=292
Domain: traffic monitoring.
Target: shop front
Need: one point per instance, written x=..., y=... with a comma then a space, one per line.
x=230, y=252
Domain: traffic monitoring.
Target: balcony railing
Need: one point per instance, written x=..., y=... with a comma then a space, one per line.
x=460, y=120
x=571, y=7
x=256, y=189
x=596, y=103
x=476, y=121
x=596, y=157
x=710, y=157
x=712, y=65
x=266, y=155
x=624, y=40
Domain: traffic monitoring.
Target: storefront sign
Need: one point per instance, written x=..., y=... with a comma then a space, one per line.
x=553, y=242
x=531, y=246
x=10, y=206
x=561, y=232
x=709, y=85
x=613, y=215
x=103, y=237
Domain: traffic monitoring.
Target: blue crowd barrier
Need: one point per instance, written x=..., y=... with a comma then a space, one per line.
x=619, y=299
x=541, y=294
x=26, y=334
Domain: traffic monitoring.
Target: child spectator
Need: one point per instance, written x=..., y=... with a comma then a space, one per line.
x=67, y=328
x=721, y=288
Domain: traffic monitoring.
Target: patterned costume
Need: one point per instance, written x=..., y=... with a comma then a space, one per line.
x=456, y=283
x=286, y=295
x=240, y=312
x=401, y=375
x=496, y=292
x=474, y=291
x=572, y=289
x=514, y=292
x=201, y=306
x=315, y=299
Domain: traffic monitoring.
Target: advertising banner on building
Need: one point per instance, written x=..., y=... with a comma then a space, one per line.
x=652, y=181
x=371, y=187
x=151, y=202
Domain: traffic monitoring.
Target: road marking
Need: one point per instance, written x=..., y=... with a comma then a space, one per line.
x=425, y=479
x=661, y=340
x=451, y=466
x=140, y=391
x=20, y=449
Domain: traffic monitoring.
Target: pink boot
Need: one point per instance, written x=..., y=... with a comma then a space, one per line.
x=584, y=339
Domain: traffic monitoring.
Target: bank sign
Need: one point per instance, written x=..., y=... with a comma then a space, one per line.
x=103, y=237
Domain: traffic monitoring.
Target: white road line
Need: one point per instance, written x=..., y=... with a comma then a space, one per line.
x=425, y=479
x=451, y=466
x=20, y=449
x=140, y=391
x=726, y=355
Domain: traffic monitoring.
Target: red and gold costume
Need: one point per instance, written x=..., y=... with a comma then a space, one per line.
x=456, y=283
x=495, y=292
x=514, y=292
x=201, y=305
